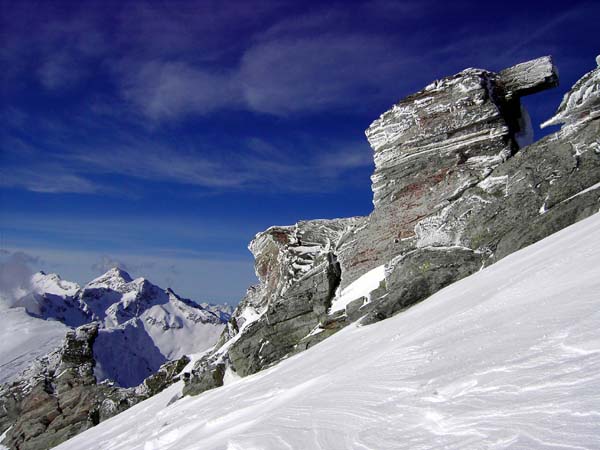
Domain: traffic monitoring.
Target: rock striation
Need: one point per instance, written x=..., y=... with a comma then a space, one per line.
x=458, y=185
x=299, y=274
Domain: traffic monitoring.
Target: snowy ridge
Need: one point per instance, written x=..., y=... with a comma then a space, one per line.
x=142, y=325
x=53, y=284
x=506, y=358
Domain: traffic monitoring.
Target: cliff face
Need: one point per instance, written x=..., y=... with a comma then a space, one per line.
x=457, y=186
x=432, y=146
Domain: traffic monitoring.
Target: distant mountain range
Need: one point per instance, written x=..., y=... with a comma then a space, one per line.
x=141, y=325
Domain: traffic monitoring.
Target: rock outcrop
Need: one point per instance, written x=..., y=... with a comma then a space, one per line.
x=299, y=274
x=432, y=146
x=457, y=186
x=59, y=397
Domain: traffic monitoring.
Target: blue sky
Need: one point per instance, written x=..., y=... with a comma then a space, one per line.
x=161, y=136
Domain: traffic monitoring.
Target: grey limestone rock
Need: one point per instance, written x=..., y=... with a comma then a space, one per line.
x=455, y=188
x=432, y=146
x=529, y=77
x=299, y=274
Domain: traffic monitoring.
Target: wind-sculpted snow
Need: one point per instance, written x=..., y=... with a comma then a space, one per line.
x=506, y=358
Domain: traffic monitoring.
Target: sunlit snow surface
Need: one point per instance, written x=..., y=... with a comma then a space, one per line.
x=507, y=358
x=24, y=338
x=359, y=288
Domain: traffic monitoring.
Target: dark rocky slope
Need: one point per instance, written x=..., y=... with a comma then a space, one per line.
x=457, y=186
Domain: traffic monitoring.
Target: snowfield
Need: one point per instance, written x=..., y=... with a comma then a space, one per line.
x=506, y=358
x=23, y=339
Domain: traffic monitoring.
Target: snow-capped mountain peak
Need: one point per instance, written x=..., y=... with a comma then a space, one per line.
x=141, y=324
x=52, y=283
x=114, y=279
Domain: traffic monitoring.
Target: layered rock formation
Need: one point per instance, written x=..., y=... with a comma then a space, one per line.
x=456, y=187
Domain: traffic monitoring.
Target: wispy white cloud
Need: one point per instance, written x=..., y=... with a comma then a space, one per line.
x=284, y=76
x=48, y=162
x=168, y=90
x=106, y=262
x=16, y=268
x=278, y=76
x=292, y=66
x=49, y=179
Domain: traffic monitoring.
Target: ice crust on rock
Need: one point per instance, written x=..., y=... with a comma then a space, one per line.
x=580, y=105
x=455, y=189
x=529, y=77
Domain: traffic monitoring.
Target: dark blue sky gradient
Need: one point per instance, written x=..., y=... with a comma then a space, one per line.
x=161, y=136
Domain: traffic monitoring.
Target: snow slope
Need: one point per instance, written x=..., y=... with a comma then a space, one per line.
x=24, y=338
x=506, y=358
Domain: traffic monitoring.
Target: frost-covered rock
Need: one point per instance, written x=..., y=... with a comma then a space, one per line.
x=298, y=273
x=433, y=145
x=454, y=190
x=529, y=77
x=580, y=105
